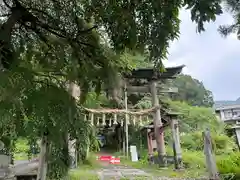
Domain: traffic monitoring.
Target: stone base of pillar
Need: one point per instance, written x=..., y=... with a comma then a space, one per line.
x=162, y=161
x=178, y=164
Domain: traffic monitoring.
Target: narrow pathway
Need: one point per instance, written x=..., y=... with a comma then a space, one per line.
x=118, y=172
x=111, y=171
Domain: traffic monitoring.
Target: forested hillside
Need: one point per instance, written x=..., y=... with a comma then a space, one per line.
x=191, y=91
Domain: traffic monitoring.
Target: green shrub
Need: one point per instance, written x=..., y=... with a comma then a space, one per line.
x=193, y=159
x=192, y=141
x=21, y=146
x=229, y=164
x=221, y=142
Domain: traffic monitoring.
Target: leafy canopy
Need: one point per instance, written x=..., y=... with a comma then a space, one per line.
x=146, y=26
x=233, y=7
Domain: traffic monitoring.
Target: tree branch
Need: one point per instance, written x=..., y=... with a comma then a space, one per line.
x=6, y=4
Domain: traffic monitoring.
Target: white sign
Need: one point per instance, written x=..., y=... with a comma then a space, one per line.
x=134, y=155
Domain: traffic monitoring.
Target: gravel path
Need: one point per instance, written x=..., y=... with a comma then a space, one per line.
x=118, y=172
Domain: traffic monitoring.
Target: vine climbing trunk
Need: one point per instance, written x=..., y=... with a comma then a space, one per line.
x=42, y=168
x=157, y=125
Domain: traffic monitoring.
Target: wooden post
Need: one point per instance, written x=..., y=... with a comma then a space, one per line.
x=149, y=141
x=210, y=159
x=42, y=168
x=126, y=119
x=157, y=124
x=176, y=144
x=123, y=136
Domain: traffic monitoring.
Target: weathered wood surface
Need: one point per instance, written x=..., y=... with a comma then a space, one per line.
x=146, y=89
x=210, y=159
x=4, y=166
x=157, y=121
x=4, y=161
x=176, y=144
x=25, y=168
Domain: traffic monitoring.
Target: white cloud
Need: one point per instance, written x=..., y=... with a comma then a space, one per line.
x=208, y=56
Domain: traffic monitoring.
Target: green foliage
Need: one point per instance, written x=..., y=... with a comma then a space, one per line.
x=191, y=91
x=136, y=28
x=233, y=7
x=21, y=146
x=82, y=174
x=229, y=166
x=196, y=118
x=58, y=160
x=193, y=159
x=221, y=142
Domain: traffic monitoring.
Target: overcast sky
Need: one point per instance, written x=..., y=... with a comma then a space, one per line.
x=209, y=57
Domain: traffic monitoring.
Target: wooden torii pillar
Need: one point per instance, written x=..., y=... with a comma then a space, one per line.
x=177, y=152
x=172, y=121
x=157, y=125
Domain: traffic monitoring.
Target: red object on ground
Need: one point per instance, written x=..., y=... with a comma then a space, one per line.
x=115, y=160
x=105, y=158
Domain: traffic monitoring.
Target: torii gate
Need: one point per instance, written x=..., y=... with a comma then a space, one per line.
x=147, y=79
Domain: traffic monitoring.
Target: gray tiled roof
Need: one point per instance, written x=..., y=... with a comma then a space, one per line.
x=226, y=104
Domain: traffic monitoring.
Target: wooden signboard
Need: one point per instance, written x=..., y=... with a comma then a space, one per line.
x=146, y=89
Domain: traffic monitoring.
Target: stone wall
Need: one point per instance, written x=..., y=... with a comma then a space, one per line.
x=4, y=161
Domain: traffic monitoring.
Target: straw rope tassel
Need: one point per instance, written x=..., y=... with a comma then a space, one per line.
x=110, y=122
x=140, y=121
x=97, y=121
x=104, y=119
x=134, y=120
x=92, y=119
x=85, y=117
x=115, y=119
x=147, y=119
x=128, y=121
x=122, y=122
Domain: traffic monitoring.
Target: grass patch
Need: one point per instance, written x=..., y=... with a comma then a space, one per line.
x=86, y=169
x=90, y=163
x=82, y=174
x=20, y=156
x=195, y=167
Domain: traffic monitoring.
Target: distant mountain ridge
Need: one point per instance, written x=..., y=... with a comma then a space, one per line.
x=218, y=104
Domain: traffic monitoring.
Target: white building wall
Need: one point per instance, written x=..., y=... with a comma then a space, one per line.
x=227, y=114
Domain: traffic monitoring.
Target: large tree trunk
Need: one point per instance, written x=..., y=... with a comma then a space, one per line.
x=42, y=168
